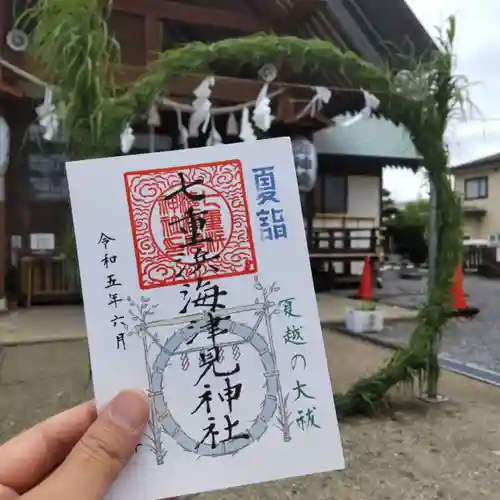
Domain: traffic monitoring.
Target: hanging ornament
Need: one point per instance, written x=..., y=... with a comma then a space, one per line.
x=214, y=138
x=403, y=81
x=47, y=116
x=262, y=111
x=246, y=131
x=371, y=101
x=183, y=132
x=371, y=104
x=268, y=72
x=413, y=86
x=127, y=139
x=154, y=119
x=232, y=125
x=201, y=107
x=306, y=163
x=321, y=97
x=50, y=125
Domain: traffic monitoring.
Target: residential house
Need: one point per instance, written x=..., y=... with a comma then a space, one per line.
x=347, y=196
x=477, y=182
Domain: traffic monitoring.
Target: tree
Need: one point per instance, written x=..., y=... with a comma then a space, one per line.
x=389, y=209
x=407, y=231
x=415, y=213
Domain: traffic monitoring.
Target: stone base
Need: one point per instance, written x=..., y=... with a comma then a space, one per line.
x=359, y=321
x=466, y=312
x=440, y=398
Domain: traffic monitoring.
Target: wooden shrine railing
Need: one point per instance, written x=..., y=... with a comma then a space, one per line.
x=337, y=254
x=49, y=279
x=342, y=243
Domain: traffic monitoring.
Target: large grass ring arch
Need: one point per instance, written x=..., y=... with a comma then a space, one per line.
x=426, y=122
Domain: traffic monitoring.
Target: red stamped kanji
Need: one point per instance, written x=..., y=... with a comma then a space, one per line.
x=190, y=222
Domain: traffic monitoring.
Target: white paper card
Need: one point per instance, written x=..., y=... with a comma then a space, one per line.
x=197, y=287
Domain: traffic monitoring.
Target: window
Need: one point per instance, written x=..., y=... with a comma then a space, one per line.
x=45, y=167
x=476, y=188
x=330, y=194
x=47, y=177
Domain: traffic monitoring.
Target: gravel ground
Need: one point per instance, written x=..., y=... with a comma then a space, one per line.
x=418, y=452
x=476, y=341
x=414, y=452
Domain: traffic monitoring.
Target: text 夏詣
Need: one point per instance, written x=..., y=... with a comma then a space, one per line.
x=271, y=215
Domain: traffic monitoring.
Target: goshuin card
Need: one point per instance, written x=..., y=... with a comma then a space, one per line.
x=197, y=287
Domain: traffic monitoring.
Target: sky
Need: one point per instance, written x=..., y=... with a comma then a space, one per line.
x=478, y=58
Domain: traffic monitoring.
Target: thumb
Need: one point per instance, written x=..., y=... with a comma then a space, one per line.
x=95, y=462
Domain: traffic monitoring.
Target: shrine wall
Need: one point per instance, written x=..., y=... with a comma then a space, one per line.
x=347, y=195
x=130, y=32
x=36, y=188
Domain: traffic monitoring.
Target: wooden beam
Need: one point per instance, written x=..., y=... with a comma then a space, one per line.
x=227, y=89
x=154, y=38
x=284, y=109
x=295, y=108
x=191, y=14
x=271, y=10
x=290, y=103
x=303, y=10
x=289, y=20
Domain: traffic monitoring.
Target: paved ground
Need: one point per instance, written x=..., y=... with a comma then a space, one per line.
x=50, y=323
x=39, y=380
x=474, y=342
x=449, y=452
x=42, y=324
x=332, y=309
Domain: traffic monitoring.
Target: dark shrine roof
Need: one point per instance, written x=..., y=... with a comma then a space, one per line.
x=376, y=30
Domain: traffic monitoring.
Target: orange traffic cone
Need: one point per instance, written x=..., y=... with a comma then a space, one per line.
x=366, y=286
x=460, y=307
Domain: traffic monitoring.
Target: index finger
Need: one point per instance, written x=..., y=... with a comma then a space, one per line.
x=27, y=459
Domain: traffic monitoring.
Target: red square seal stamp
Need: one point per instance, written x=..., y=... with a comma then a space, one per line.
x=190, y=222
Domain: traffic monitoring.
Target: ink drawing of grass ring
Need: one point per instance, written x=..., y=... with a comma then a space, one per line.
x=269, y=405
